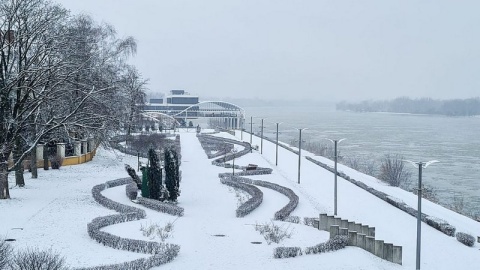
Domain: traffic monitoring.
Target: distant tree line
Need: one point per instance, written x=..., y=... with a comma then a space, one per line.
x=452, y=107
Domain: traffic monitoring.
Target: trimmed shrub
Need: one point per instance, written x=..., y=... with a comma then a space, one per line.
x=131, y=191
x=293, y=219
x=56, y=162
x=287, y=252
x=252, y=203
x=283, y=213
x=6, y=252
x=133, y=175
x=309, y=221
x=440, y=225
x=34, y=259
x=336, y=243
x=163, y=207
x=465, y=239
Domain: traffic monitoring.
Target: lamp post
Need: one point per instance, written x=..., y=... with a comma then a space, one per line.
x=261, y=138
x=300, y=150
x=234, y=151
x=251, y=129
x=335, y=143
x=276, y=146
x=420, y=165
x=241, y=132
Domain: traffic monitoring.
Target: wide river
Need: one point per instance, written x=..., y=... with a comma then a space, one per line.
x=454, y=141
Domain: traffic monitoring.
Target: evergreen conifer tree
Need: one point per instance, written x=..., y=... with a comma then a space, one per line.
x=154, y=175
x=170, y=175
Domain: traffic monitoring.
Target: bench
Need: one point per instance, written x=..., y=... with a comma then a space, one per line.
x=251, y=167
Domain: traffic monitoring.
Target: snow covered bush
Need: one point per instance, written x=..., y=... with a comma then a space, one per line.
x=287, y=252
x=292, y=219
x=273, y=233
x=159, y=206
x=133, y=175
x=440, y=225
x=154, y=230
x=34, y=259
x=465, y=239
x=287, y=209
x=56, y=162
x=394, y=172
x=252, y=203
x=309, y=221
x=6, y=252
x=131, y=190
x=336, y=243
x=144, y=263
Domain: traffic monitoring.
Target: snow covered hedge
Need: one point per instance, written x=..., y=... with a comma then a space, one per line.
x=104, y=201
x=159, y=206
x=336, y=243
x=465, y=239
x=283, y=213
x=141, y=264
x=440, y=225
x=252, y=203
x=131, y=190
x=287, y=252
x=162, y=253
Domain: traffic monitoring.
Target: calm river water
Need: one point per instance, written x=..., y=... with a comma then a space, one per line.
x=454, y=141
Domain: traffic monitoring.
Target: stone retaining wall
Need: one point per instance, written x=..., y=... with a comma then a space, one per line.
x=360, y=235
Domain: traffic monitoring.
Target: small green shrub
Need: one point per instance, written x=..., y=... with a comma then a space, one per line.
x=465, y=239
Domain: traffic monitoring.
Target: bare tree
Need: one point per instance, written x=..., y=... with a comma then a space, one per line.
x=58, y=75
x=133, y=86
x=394, y=172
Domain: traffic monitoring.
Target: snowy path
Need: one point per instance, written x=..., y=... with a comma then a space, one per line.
x=210, y=210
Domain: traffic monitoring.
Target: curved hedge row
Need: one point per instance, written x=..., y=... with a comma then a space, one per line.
x=285, y=212
x=252, y=203
x=162, y=253
x=161, y=206
x=245, y=183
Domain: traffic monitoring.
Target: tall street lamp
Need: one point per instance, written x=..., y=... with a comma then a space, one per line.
x=261, y=137
x=234, y=151
x=420, y=165
x=300, y=150
x=251, y=129
x=276, y=146
x=335, y=143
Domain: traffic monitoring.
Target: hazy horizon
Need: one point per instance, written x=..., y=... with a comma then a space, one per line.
x=310, y=49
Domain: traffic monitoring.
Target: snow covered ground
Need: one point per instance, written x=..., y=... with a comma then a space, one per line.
x=52, y=212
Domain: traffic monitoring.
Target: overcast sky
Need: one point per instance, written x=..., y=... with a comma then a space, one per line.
x=303, y=49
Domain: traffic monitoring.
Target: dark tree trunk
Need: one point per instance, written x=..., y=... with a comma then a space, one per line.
x=4, y=193
x=45, y=157
x=33, y=163
x=19, y=179
x=17, y=153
